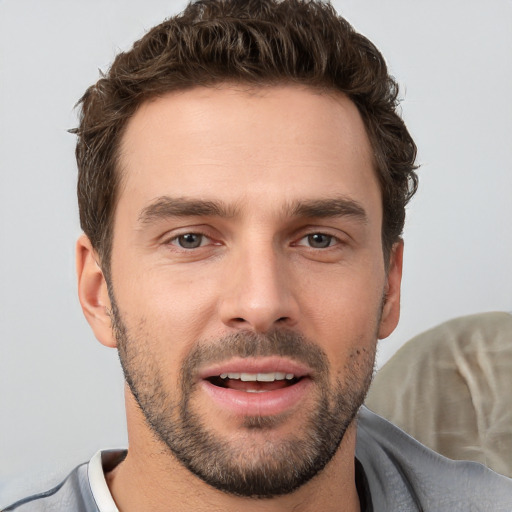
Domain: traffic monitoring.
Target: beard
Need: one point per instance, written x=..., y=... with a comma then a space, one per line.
x=257, y=466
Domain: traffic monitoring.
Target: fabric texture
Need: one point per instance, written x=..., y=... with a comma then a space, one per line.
x=406, y=476
x=450, y=388
x=72, y=495
x=400, y=475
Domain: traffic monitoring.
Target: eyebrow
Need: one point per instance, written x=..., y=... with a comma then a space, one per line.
x=165, y=207
x=168, y=207
x=329, y=207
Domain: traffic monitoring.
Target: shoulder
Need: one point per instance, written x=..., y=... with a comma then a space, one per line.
x=405, y=475
x=70, y=495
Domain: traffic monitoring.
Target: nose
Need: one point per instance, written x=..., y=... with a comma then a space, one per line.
x=258, y=293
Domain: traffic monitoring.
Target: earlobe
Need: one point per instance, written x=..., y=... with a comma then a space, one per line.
x=93, y=292
x=391, y=306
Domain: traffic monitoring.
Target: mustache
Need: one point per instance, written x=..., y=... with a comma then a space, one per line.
x=245, y=344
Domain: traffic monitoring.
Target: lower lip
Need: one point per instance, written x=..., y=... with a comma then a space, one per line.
x=267, y=403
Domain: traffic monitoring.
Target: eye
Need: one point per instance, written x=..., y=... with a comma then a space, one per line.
x=190, y=240
x=318, y=240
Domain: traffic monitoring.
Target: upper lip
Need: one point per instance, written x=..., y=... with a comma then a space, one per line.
x=256, y=365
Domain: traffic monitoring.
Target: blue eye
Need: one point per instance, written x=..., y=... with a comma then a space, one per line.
x=319, y=240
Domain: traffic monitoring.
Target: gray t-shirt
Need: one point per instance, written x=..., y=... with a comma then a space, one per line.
x=394, y=473
x=404, y=475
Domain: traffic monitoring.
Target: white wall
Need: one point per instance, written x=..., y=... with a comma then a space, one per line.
x=60, y=391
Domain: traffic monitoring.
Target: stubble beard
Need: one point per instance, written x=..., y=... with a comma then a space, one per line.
x=253, y=467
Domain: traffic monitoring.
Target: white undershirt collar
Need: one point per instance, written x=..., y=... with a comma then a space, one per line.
x=99, y=487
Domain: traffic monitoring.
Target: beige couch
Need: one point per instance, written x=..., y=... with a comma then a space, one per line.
x=451, y=388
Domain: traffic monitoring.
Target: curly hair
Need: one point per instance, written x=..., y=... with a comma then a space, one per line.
x=254, y=42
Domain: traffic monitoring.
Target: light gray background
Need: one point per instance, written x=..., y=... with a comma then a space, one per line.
x=60, y=391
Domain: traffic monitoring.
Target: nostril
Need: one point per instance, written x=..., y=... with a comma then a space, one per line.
x=241, y=320
x=259, y=323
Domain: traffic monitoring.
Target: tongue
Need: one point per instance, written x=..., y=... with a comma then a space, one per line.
x=255, y=385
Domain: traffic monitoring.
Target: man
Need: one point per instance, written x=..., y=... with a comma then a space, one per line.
x=243, y=176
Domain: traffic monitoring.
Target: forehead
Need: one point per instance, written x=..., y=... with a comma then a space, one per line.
x=273, y=145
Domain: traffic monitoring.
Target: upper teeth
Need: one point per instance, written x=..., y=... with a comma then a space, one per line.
x=261, y=377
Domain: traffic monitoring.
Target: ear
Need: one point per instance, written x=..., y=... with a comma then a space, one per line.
x=93, y=293
x=391, y=307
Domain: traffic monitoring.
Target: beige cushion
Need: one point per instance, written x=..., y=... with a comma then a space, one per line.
x=451, y=388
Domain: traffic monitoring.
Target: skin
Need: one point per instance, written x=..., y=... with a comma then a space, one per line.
x=257, y=152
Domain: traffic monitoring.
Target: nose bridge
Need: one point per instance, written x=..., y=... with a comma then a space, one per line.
x=258, y=291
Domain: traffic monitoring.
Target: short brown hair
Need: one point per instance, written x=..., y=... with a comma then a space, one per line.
x=255, y=42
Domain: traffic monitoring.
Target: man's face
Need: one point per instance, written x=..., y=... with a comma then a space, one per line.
x=247, y=245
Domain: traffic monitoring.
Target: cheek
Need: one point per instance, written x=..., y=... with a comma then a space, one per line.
x=175, y=310
x=344, y=315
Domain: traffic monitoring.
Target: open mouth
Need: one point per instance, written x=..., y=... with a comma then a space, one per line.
x=254, y=382
x=264, y=386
